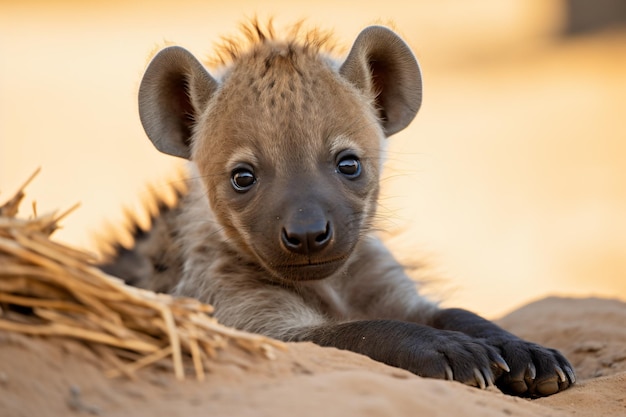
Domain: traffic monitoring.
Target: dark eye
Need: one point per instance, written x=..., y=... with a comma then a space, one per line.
x=242, y=179
x=350, y=166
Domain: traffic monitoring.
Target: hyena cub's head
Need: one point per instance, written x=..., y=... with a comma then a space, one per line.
x=287, y=142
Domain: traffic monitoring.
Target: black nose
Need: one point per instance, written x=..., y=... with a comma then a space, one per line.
x=307, y=238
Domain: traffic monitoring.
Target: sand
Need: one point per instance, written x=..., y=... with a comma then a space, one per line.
x=61, y=377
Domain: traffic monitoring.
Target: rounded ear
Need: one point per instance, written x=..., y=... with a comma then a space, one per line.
x=381, y=65
x=173, y=92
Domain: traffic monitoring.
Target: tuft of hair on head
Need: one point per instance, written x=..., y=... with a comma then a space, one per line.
x=252, y=32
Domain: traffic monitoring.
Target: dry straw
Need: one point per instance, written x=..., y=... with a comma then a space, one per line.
x=49, y=289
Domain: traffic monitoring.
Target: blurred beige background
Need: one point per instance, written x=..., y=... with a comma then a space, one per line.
x=511, y=182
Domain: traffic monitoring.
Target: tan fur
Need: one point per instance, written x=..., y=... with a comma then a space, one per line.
x=231, y=48
x=292, y=109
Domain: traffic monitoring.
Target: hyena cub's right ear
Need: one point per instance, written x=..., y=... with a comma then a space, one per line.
x=173, y=91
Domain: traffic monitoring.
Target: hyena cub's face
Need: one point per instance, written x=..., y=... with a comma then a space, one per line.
x=288, y=146
x=291, y=163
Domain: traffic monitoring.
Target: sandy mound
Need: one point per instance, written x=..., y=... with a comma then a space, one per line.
x=56, y=376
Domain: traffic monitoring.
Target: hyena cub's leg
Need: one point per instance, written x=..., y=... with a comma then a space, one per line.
x=460, y=346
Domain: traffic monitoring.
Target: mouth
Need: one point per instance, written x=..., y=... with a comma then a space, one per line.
x=313, y=270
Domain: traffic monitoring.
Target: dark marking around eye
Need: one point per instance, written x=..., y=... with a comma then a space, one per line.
x=159, y=267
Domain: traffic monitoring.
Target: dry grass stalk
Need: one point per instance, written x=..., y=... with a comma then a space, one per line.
x=49, y=289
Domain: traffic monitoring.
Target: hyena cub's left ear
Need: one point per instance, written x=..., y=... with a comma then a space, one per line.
x=173, y=92
x=382, y=65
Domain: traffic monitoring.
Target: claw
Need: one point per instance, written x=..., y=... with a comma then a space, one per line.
x=532, y=371
x=449, y=374
x=489, y=377
x=499, y=360
x=561, y=374
x=570, y=373
x=480, y=380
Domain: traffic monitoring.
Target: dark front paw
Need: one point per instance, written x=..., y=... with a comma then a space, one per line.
x=535, y=371
x=455, y=356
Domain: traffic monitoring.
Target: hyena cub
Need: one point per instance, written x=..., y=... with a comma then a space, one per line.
x=275, y=228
